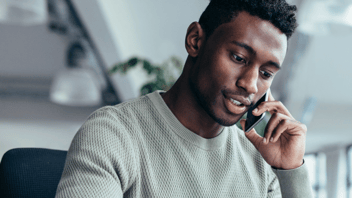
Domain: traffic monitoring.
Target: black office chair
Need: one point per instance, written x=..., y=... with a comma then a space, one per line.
x=31, y=172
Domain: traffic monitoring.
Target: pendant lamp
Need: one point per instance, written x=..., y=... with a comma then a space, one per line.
x=76, y=85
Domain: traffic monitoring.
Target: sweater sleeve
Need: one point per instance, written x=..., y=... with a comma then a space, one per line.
x=294, y=183
x=100, y=161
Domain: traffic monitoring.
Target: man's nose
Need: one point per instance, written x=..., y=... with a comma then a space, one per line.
x=248, y=80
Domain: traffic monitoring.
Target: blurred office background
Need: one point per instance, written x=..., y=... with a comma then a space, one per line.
x=55, y=56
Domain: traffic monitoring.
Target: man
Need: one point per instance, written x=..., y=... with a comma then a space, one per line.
x=184, y=142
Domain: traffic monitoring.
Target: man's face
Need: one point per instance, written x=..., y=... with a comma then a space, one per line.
x=236, y=65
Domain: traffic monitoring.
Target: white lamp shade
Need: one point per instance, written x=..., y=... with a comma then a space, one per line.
x=23, y=12
x=75, y=87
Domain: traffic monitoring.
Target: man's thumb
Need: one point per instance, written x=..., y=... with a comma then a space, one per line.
x=252, y=135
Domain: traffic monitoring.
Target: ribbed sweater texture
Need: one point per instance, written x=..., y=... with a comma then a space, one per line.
x=140, y=149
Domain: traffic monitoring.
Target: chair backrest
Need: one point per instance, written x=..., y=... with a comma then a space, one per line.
x=31, y=172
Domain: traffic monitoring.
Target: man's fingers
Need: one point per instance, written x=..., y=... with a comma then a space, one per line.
x=280, y=128
x=271, y=125
x=296, y=129
x=272, y=107
x=280, y=123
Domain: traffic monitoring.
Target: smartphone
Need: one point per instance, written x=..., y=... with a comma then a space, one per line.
x=252, y=120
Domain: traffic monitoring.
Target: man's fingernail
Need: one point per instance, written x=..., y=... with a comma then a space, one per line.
x=264, y=140
x=271, y=139
x=255, y=110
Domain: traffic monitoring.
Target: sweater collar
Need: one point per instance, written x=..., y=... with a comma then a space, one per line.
x=182, y=131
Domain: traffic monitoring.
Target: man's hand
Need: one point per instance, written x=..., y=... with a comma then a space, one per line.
x=283, y=144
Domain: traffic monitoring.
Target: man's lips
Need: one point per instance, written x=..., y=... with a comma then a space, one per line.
x=243, y=100
x=234, y=107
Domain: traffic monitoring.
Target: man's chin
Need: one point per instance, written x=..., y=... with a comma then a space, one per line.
x=226, y=122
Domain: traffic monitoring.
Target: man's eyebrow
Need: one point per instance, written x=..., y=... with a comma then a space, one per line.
x=252, y=51
x=245, y=46
x=274, y=64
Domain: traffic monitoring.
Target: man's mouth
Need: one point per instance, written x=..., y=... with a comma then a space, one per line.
x=236, y=102
x=239, y=100
x=236, y=106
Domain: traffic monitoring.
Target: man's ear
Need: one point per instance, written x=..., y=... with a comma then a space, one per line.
x=195, y=37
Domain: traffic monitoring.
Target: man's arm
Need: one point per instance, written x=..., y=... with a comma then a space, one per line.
x=282, y=147
x=294, y=182
x=100, y=160
x=289, y=183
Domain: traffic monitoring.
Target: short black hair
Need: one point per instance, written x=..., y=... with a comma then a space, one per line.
x=278, y=12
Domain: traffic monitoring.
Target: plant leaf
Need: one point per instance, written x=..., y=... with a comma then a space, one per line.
x=148, y=67
x=133, y=62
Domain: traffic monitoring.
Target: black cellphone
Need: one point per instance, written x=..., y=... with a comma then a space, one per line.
x=252, y=120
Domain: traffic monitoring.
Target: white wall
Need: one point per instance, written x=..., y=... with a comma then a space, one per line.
x=325, y=71
x=152, y=29
x=30, y=51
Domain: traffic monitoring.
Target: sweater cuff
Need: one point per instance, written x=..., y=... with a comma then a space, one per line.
x=294, y=183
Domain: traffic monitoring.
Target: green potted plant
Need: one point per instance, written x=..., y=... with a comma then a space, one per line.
x=163, y=76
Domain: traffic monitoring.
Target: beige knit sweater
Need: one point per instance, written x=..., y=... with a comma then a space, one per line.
x=140, y=149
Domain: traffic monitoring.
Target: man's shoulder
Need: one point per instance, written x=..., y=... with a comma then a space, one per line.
x=124, y=121
x=130, y=117
x=125, y=109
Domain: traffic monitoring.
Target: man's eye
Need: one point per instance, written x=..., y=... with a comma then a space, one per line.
x=266, y=74
x=239, y=59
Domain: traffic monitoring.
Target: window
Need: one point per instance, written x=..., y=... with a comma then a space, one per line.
x=349, y=172
x=316, y=164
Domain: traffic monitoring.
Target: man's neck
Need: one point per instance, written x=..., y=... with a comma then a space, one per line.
x=183, y=104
